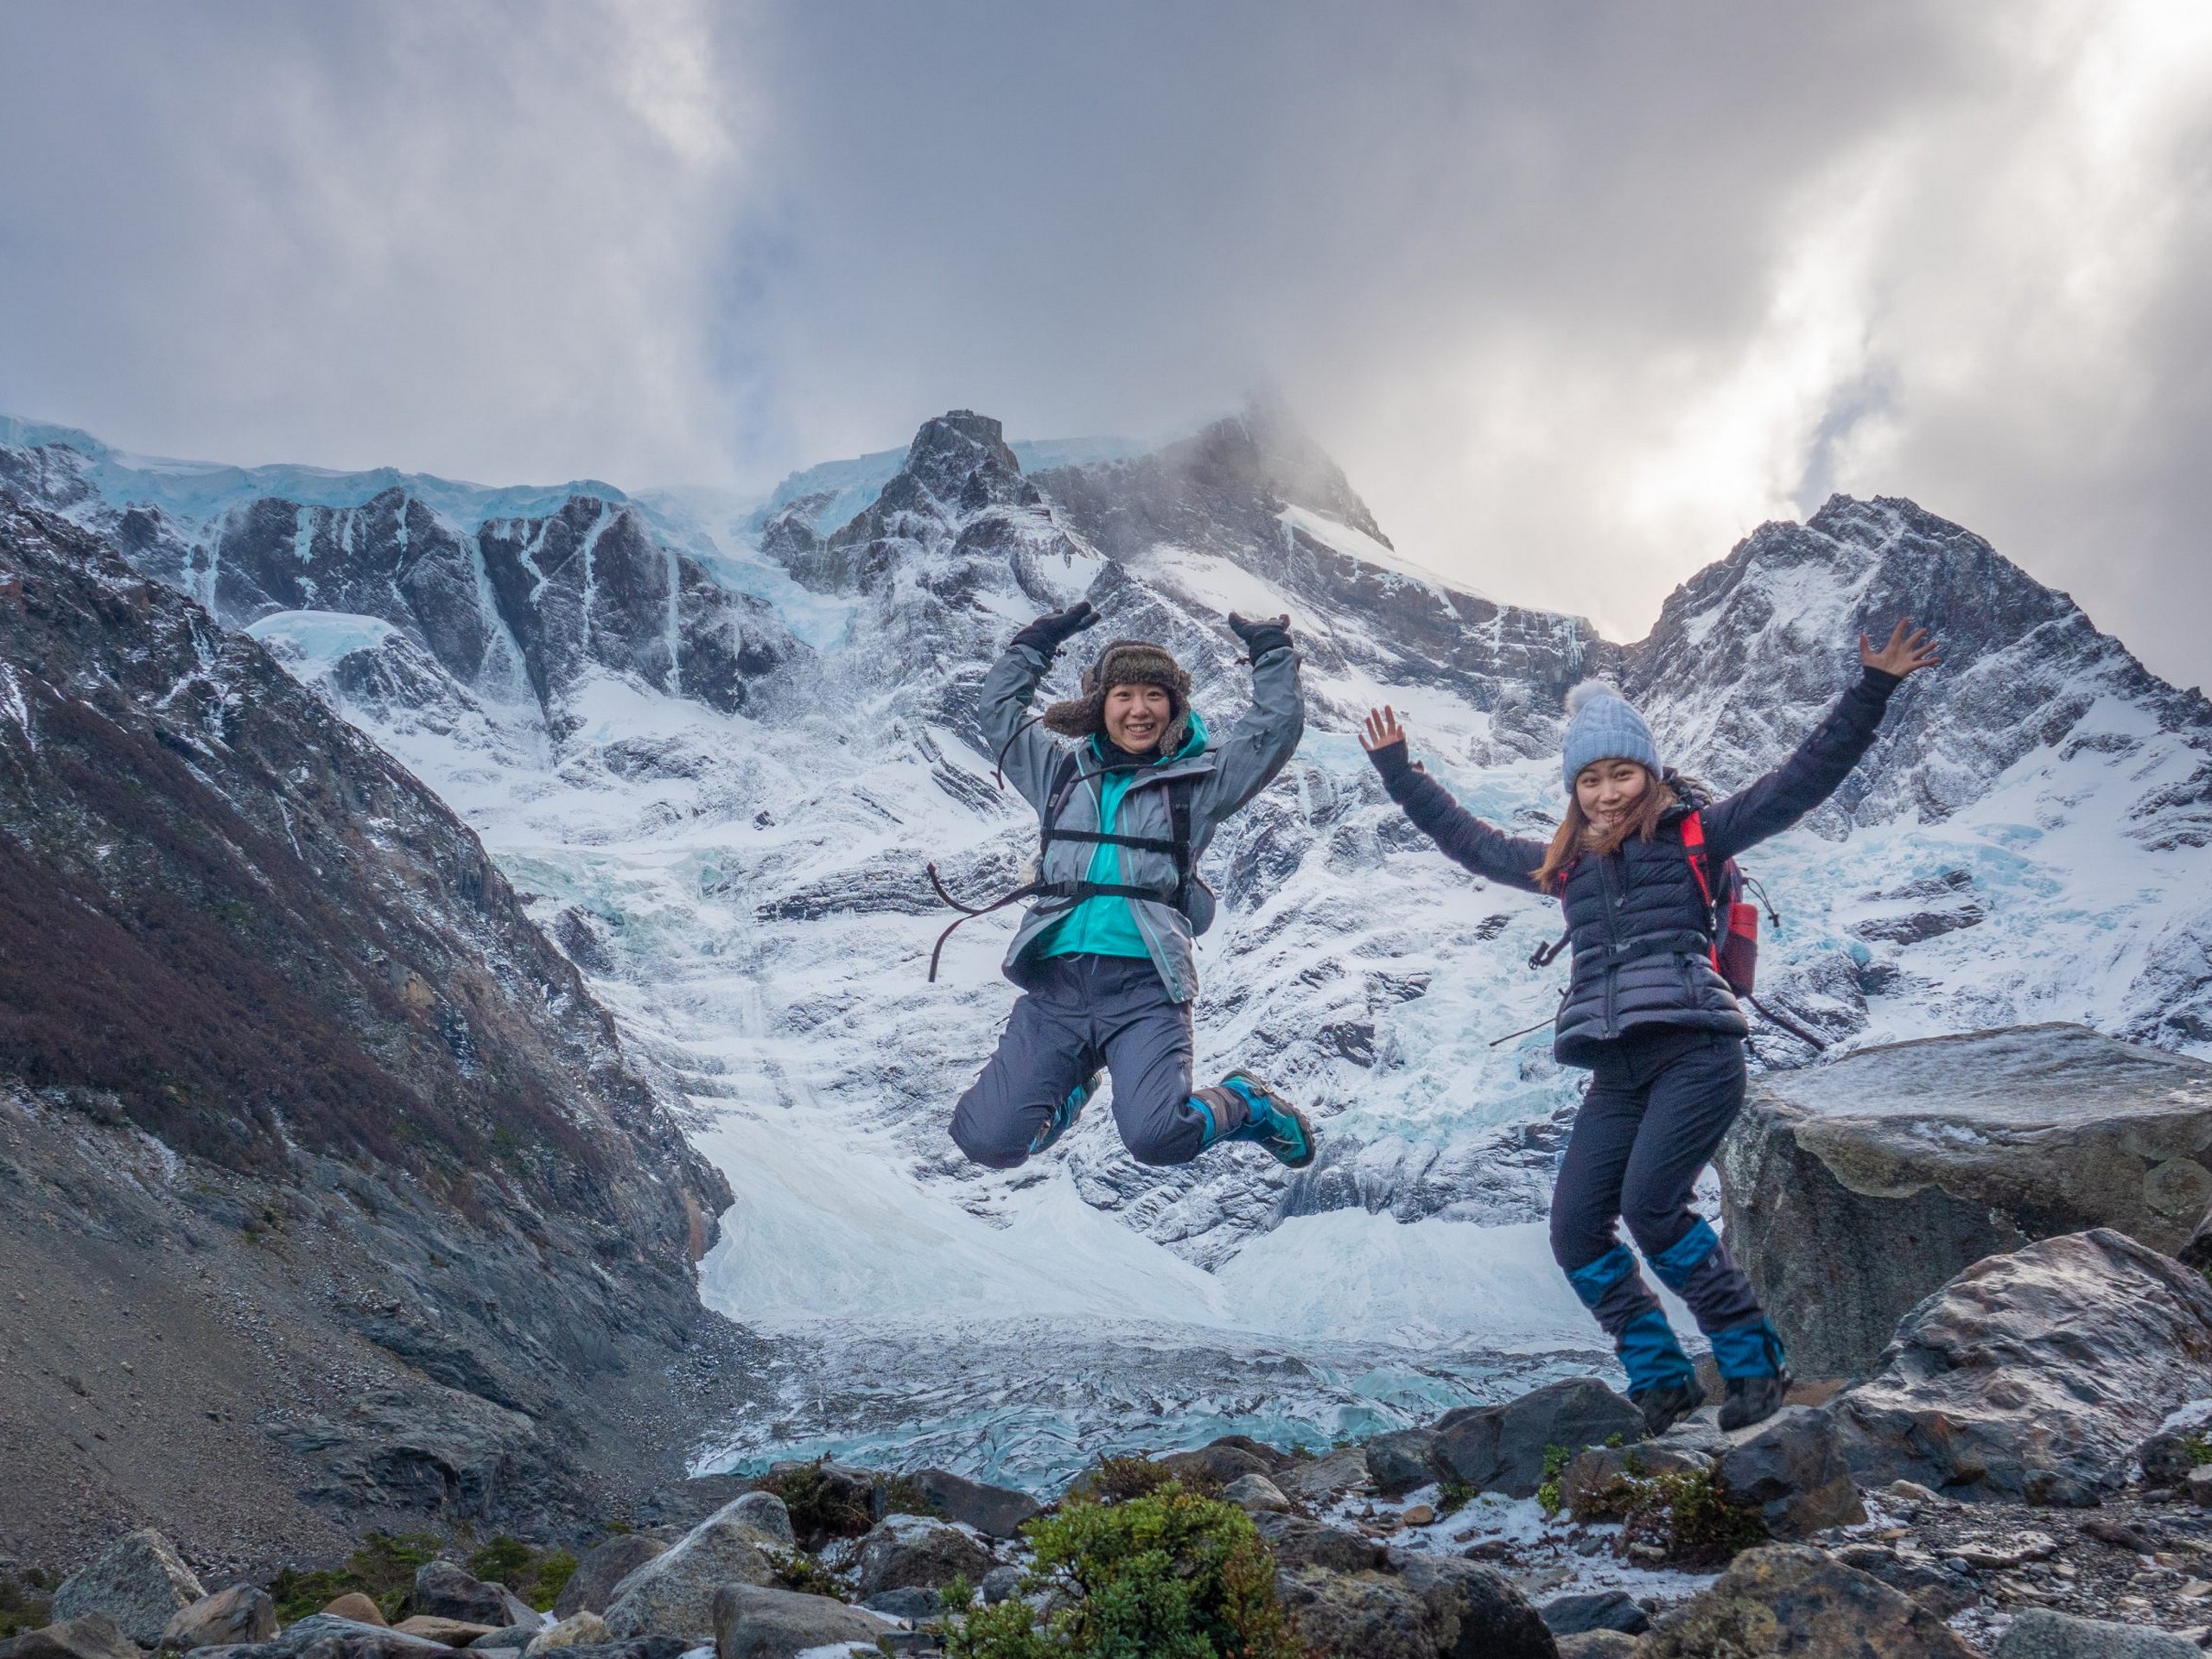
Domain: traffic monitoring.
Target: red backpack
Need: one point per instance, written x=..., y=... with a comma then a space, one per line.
x=1731, y=919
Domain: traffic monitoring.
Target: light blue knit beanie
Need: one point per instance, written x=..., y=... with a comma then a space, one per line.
x=1601, y=727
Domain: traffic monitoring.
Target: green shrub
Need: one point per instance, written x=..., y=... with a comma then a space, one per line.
x=820, y=1508
x=1120, y=1479
x=23, y=1607
x=1556, y=1457
x=902, y=1497
x=382, y=1569
x=1166, y=1574
x=2199, y=1448
x=1689, y=1517
x=537, y=1576
x=1453, y=1495
x=796, y=1570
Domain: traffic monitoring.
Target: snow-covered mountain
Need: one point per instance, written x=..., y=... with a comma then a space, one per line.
x=716, y=743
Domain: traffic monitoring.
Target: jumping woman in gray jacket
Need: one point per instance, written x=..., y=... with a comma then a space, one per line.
x=1104, y=956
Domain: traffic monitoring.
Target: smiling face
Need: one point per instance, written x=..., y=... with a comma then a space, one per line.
x=1609, y=791
x=1136, y=717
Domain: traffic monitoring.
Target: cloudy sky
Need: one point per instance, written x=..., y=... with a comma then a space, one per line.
x=1577, y=294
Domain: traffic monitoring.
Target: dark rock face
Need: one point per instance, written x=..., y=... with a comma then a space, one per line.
x=2034, y=1374
x=233, y=926
x=1787, y=1598
x=1501, y=1448
x=1791, y=1469
x=1854, y=1190
x=994, y=1511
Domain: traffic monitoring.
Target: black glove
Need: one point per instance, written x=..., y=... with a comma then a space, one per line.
x=1055, y=628
x=1262, y=637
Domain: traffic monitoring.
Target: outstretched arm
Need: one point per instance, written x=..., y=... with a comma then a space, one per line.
x=1824, y=759
x=1459, y=834
x=1259, y=745
x=1022, y=747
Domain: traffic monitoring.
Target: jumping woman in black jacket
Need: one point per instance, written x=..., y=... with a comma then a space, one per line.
x=1648, y=1013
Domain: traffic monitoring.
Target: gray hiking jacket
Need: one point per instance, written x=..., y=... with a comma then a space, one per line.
x=1229, y=773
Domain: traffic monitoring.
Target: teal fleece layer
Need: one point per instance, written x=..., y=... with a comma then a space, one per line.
x=1107, y=927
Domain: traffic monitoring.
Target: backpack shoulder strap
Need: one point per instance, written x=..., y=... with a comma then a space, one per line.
x=1178, y=816
x=1692, y=832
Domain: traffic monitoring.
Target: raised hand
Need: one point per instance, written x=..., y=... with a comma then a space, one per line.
x=1055, y=628
x=1261, y=637
x=1381, y=729
x=1910, y=651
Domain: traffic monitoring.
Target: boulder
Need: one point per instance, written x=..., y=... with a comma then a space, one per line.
x=1324, y=1479
x=137, y=1581
x=1254, y=1493
x=444, y=1591
x=452, y=1632
x=673, y=1595
x=753, y=1622
x=323, y=1636
x=585, y=1630
x=1502, y=1448
x=766, y=1515
x=1852, y=1191
x=1398, y=1462
x=994, y=1511
x=591, y=1587
x=1000, y=1584
x=88, y=1636
x=1594, y=1486
x=2169, y=1456
x=356, y=1608
x=1412, y=1608
x=2036, y=1375
x=2196, y=1486
x=1221, y=1461
x=1791, y=1469
x=2039, y=1633
x=1301, y=1543
x=244, y=1612
x=516, y=1637
x=1595, y=1610
x=1789, y=1598
x=911, y=1603
x=920, y=1550
x=1596, y=1644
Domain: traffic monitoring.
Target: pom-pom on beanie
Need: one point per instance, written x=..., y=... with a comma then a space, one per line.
x=1600, y=726
x=1126, y=662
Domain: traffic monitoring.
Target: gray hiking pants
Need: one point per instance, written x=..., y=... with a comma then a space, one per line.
x=1081, y=1010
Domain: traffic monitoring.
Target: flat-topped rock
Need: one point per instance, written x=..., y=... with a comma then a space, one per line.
x=1854, y=1190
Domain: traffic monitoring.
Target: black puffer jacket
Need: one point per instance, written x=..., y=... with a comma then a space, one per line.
x=1635, y=919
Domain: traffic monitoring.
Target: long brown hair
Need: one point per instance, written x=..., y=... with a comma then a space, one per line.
x=1575, y=837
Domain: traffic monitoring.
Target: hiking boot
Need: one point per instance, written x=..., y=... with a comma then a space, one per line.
x=1667, y=1404
x=1752, y=1399
x=1065, y=1114
x=1272, y=1120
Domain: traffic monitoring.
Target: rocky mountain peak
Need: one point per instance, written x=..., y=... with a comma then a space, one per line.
x=963, y=460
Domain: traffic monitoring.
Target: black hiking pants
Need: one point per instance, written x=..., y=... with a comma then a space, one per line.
x=1081, y=1011
x=1660, y=1101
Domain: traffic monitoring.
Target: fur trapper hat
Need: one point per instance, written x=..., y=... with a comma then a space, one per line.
x=1126, y=662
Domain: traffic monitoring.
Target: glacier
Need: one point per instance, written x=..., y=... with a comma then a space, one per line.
x=714, y=740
